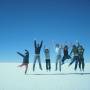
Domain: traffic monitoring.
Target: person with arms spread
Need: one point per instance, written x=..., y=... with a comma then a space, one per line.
x=25, y=60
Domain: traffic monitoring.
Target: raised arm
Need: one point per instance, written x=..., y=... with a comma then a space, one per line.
x=61, y=46
x=44, y=48
x=35, y=43
x=71, y=52
x=41, y=43
x=53, y=45
x=20, y=54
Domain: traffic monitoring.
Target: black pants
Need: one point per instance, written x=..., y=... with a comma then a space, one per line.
x=65, y=57
x=81, y=64
x=48, y=64
x=80, y=60
x=76, y=60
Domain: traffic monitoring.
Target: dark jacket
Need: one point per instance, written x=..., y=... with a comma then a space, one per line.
x=37, y=47
x=65, y=51
x=25, y=57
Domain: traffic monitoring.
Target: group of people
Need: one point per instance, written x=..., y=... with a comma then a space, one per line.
x=77, y=51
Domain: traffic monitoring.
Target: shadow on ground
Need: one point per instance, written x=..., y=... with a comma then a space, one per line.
x=63, y=74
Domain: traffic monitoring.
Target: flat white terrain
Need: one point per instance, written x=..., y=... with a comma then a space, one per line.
x=13, y=78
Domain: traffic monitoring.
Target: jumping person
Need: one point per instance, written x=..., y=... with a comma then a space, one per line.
x=66, y=55
x=47, y=58
x=58, y=49
x=81, y=57
x=37, y=54
x=25, y=60
x=75, y=57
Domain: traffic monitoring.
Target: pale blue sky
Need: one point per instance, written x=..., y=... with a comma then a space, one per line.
x=22, y=21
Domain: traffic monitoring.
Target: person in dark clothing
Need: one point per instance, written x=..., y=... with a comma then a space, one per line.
x=37, y=54
x=75, y=57
x=47, y=58
x=66, y=55
x=25, y=60
x=81, y=57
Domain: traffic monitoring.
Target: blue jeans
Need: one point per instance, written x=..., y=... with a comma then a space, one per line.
x=58, y=60
x=76, y=60
x=37, y=57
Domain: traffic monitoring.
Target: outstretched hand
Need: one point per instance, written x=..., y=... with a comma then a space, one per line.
x=42, y=41
x=17, y=52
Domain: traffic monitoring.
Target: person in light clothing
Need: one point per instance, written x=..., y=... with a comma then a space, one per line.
x=47, y=58
x=58, y=48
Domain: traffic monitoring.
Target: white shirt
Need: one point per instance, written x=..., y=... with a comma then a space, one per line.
x=58, y=50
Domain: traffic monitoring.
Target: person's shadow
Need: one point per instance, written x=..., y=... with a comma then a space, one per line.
x=37, y=74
